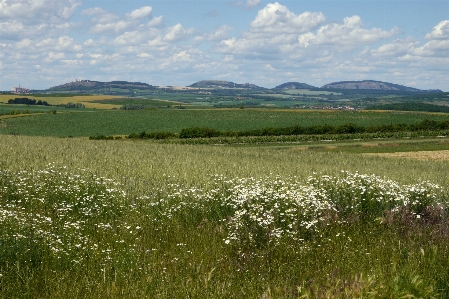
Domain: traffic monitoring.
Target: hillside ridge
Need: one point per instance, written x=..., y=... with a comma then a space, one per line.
x=373, y=85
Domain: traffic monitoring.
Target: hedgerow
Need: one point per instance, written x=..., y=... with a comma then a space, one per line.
x=349, y=128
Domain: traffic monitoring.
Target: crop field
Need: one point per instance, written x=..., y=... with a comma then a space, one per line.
x=98, y=219
x=118, y=122
x=333, y=216
x=90, y=101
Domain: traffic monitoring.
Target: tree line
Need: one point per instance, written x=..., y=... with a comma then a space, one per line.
x=27, y=101
x=349, y=128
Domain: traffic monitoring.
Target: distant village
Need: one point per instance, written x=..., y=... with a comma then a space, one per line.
x=20, y=90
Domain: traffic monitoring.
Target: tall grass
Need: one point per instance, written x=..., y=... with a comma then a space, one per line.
x=99, y=219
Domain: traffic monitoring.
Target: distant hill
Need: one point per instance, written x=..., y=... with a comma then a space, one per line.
x=99, y=87
x=295, y=85
x=373, y=85
x=223, y=84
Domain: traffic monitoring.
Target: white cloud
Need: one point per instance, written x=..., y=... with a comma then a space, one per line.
x=104, y=22
x=31, y=11
x=155, y=22
x=55, y=56
x=177, y=33
x=276, y=18
x=350, y=34
x=144, y=55
x=135, y=37
x=64, y=43
x=115, y=27
x=440, y=31
x=221, y=33
x=140, y=13
x=396, y=48
x=182, y=56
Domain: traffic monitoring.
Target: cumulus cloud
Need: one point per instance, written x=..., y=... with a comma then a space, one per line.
x=276, y=18
x=140, y=13
x=350, y=33
x=396, y=48
x=135, y=37
x=177, y=33
x=30, y=11
x=30, y=18
x=440, y=31
x=410, y=49
x=104, y=22
x=276, y=31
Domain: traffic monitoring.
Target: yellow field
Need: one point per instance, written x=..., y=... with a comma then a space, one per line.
x=419, y=155
x=86, y=100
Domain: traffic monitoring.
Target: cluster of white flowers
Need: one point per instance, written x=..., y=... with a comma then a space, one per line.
x=80, y=215
x=71, y=216
x=371, y=195
x=266, y=211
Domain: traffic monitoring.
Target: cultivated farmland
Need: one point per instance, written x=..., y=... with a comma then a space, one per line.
x=110, y=122
x=130, y=218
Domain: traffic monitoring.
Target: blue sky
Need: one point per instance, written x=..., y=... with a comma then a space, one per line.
x=44, y=43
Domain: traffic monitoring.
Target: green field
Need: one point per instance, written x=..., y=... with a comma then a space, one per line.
x=89, y=219
x=108, y=122
x=261, y=217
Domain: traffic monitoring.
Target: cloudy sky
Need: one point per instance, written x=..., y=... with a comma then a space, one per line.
x=44, y=43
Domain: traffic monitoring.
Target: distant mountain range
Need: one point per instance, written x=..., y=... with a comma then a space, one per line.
x=97, y=86
x=223, y=84
x=371, y=85
x=105, y=87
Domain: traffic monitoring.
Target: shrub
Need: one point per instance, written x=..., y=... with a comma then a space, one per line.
x=198, y=132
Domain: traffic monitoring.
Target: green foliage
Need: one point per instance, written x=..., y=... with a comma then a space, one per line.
x=89, y=123
x=27, y=101
x=198, y=132
x=336, y=131
x=409, y=106
x=152, y=135
x=72, y=105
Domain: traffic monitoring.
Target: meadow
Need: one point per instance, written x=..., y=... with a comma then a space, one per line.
x=139, y=219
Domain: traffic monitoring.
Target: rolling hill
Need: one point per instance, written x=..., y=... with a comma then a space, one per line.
x=373, y=85
x=223, y=85
x=295, y=85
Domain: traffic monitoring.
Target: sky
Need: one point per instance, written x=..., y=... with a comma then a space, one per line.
x=44, y=43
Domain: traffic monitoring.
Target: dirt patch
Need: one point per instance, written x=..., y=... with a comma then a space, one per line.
x=419, y=155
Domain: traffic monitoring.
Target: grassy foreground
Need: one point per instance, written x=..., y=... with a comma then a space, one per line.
x=99, y=219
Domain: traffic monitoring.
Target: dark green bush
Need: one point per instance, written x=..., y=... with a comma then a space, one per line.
x=198, y=132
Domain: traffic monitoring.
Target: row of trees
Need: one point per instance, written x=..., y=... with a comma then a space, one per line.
x=350, y=128
x=27, y=101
